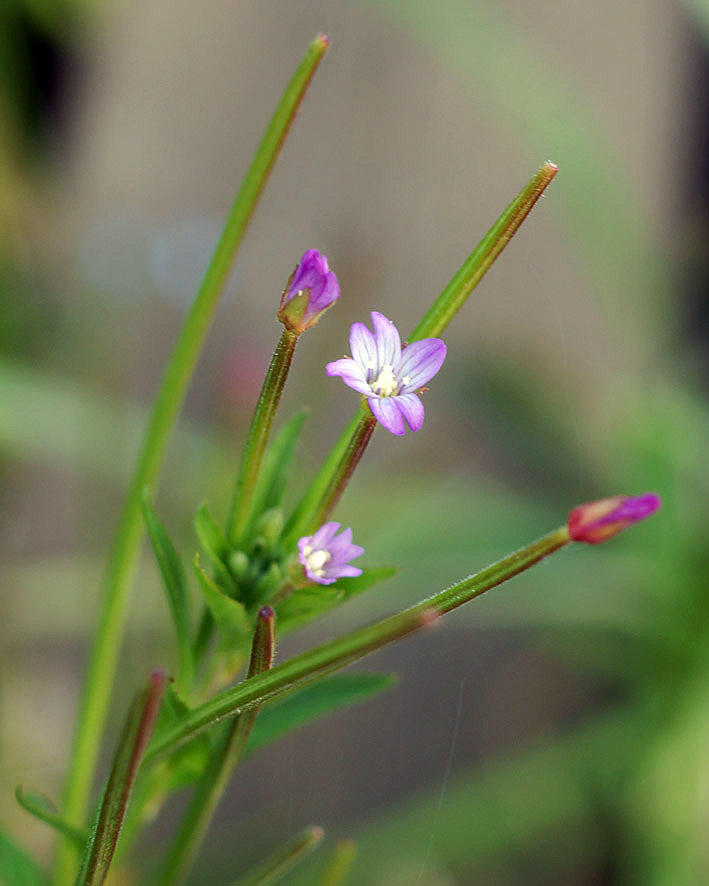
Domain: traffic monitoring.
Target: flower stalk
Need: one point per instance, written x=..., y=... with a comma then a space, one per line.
x=257, y=439
x=122, y=562
x=320, y=500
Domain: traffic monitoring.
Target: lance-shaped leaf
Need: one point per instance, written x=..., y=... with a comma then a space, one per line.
x=229, y=615
x=304, y=605
x=17, y=868
x=112, y=809
x=214, y=542
x=41, y=807
x=306, y=705
x=175, y=582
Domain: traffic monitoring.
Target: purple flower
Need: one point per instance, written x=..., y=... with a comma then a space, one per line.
x=387, y=375
x=325, y=557
x=312, y=288
x=598, y=520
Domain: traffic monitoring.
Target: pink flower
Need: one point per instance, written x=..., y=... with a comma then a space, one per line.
x=326, y=557
x=598, y=520
x=312, y=288
x=388, y=376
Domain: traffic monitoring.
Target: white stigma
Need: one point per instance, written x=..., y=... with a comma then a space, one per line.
x=387, y=383
x=316, y=560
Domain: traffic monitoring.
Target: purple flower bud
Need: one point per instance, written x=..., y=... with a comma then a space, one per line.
x=598, y=520
x=326, y=557
x=312, y=288
x=387, y=375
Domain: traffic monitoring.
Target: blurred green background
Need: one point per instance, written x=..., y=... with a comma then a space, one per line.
x=556, y=731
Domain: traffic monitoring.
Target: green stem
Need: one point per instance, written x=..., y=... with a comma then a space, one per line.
x=481, y=259
x=229, y=750
x=259, y=432
x=433, y=323
x=284, y=860
x=320, y=500
x=112, y=810
x=329, y=657
x=123, y=557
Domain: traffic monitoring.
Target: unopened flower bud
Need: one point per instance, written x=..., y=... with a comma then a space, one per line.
x=598, y=520
x=312, y=288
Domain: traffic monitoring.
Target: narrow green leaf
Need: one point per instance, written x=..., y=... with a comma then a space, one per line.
x=112, y=808
x=175, y=582
x=369, y=577
x=229, y=615
x=306, y=705
x=214, y=542
x=16, y=867
x=304, y=605
x=284, y=860
x=41, y=807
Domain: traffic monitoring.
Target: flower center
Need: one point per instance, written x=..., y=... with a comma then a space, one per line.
x=387, y=384
x=316, y=560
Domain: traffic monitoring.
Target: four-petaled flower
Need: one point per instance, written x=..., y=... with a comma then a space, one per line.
x=312, y=288
x=326, y=557
x=598, y=520
x=387, y=375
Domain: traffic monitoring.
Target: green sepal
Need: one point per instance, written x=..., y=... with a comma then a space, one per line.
x=302, y=707
x=275, y=471
x=215, y=544
x=17, y=868
x=229, y=615
x=175, y=582
x=41, y=807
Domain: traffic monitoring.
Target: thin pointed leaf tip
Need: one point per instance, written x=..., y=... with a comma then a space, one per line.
x=597, y=521
x=325, y=556
x=388, y=375
x=310, y=291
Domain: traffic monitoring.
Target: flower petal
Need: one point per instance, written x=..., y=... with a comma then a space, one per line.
x=387, y=413
x=363, y=348
x=388, y=342
x=420, y=362
x=348, y=572
x=412, y=410
x=341, y=543
x=323, y=536
x=352, y=373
